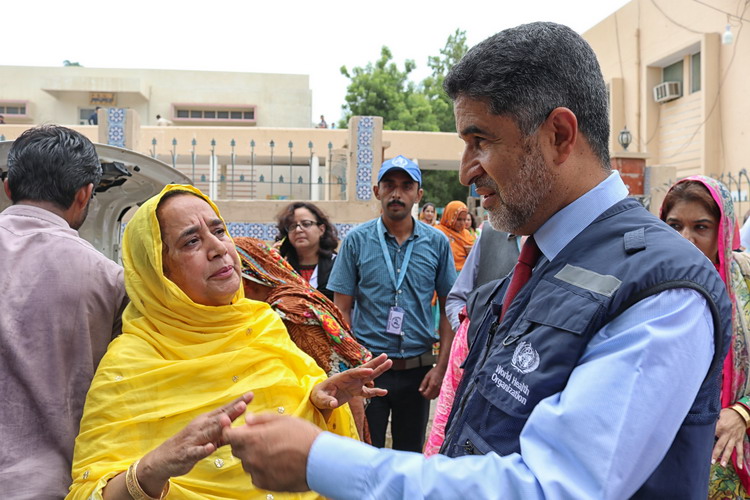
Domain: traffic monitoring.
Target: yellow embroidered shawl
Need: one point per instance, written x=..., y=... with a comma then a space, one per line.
x=177, y=359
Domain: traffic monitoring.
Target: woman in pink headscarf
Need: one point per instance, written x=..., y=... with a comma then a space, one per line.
x=701, y=210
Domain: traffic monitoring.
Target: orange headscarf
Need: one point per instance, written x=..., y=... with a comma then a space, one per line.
x=461, y=241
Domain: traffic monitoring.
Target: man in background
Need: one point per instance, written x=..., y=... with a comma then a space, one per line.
x=94, y=117
x=383, y=281
x=492, y=257
x=60, y=305
x=163, y=122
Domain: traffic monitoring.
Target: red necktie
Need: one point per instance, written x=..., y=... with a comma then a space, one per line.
x=522, y=272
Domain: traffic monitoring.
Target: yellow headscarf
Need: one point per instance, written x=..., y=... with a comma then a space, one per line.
x=177, y=359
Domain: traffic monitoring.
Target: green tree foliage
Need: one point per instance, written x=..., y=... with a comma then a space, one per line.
x=382, y=89
x=442, y=186
x=432, y=86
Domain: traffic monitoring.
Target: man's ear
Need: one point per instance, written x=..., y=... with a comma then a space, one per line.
x=376, y=191
x=83, y=195
x=419, y=195
x=561, y=129
x=6, y=186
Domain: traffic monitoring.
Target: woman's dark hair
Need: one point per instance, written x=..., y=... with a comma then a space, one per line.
x=690, y=191
x=328, y=241
x=428, y=204
x=473, y=220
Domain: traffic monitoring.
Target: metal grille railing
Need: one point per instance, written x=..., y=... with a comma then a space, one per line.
x=235, y=172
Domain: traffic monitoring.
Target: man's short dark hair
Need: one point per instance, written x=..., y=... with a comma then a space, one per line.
x=527, y=71
x=51, y=163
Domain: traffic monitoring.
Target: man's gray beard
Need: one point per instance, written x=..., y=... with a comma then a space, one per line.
x=521, y=201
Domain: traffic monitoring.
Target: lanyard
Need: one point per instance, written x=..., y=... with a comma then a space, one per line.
x=386, y=255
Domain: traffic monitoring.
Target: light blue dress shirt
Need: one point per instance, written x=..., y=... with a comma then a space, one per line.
x=601, y=437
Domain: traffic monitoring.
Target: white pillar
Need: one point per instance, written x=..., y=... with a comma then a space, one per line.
x=213, y=182
x=314, y=174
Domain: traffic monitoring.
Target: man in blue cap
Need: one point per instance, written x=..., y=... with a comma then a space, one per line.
x=389, y=268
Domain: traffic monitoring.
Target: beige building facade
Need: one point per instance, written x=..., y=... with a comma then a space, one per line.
x=677, y=88
x=245, y=139
x=680, y=91
x=69, y=95
x=254, y=172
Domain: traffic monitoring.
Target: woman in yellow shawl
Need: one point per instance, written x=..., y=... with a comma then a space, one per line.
x=191, y=342
x=453, y=223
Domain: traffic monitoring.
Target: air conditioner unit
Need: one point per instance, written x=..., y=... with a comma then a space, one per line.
x=667, y=91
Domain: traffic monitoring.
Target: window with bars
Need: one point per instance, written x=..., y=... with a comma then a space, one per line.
x=207, y=113
x=13, y=108
x=695, y=72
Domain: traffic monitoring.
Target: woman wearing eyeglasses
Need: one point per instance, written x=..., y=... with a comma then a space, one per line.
x=308, y=242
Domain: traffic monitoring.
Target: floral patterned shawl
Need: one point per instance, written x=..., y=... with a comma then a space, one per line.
x=314, y=323
x=734, y=268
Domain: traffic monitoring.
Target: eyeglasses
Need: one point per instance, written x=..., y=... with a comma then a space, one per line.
x=304, y=224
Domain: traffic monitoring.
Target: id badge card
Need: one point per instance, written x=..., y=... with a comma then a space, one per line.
x=395, y=321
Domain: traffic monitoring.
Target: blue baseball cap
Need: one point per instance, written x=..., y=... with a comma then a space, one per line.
x=401, y=163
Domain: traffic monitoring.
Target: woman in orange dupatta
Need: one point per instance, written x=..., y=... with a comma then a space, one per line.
x=453, y=224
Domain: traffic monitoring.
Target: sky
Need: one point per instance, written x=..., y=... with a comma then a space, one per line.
x=313, y=38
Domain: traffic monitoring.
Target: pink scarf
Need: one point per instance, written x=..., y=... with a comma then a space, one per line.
x=735, y=383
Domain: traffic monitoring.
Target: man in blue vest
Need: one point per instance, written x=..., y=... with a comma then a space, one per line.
x=594, y=368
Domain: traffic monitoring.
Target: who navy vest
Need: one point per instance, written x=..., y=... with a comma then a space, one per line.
x=624, y=256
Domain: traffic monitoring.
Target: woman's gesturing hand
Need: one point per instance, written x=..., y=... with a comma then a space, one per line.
x=340, y=388
x=201, y=437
